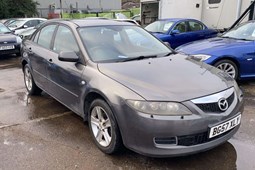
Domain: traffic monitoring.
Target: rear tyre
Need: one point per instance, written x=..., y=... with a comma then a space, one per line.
x=103, y=127
x=228, y=66
x=29, y=82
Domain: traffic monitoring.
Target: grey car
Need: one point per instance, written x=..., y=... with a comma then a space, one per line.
x=131, y=88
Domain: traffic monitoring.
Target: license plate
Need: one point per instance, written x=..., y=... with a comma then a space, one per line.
x=7, y=47
x=224, y=127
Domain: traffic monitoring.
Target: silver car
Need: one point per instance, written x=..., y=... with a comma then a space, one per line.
x=131, y=88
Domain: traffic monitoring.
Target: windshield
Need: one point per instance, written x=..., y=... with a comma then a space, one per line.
x=17, y=23
x=159, y=26
x=243, y=32
x=120, y=43
x=4, y=29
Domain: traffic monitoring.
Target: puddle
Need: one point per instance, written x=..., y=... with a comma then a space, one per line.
x=23, y=98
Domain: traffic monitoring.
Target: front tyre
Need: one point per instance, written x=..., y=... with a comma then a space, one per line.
x=103, y=127
x=229, y=67
x=29, y=82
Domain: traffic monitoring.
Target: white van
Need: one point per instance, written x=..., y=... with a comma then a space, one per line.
x=217, y=14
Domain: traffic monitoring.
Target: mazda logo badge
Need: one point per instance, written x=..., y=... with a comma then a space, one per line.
x=223, y=104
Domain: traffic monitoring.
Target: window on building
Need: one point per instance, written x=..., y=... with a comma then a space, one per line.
x=214, y=1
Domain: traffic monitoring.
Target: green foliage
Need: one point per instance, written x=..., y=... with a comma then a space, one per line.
x=3, y=9
x=110, y=14
x=17, y=8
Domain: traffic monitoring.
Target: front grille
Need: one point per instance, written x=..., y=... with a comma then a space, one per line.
x=196, y=139
x=214, y=107
x=188, y=140
x=9, y=42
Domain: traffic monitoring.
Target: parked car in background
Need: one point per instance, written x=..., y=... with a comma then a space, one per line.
x=178, y=31
x=3, y=21
x=137, y=18
x=120, y=86
x=28, y=32
x=9, y=43
x=22, y=24
x=9, y=21
x=127, y=20
x=233, y=52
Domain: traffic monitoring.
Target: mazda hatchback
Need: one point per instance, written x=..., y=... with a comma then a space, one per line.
x=131, y=88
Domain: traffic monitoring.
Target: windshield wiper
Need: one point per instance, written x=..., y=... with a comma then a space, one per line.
x=168, y=54
x=236, y=38
x=157, y=32
x=227, y=37
x=139, y=58
x=243, y=39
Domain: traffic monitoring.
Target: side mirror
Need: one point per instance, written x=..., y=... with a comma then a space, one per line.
x=25, y=26
x=68, y=56
x=167, y=43
x=175, y=32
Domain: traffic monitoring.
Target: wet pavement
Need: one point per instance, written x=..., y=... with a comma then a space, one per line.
x=39, y=133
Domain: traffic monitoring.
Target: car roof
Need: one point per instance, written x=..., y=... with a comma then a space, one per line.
x=27, y=19
x=176, y=19
x=89, y=22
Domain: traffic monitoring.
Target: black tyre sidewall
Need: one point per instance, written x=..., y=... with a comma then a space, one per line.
x=116, y=139
x=34, y=90
x=229, y=62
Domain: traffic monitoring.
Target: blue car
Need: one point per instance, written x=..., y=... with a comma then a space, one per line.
x=177, y=31
x=233, y=52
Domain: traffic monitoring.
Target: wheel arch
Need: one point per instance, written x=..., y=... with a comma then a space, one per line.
x=24, y=62
x=231, y=58
x=90, y=97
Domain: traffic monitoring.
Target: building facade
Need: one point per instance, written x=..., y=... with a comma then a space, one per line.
x=45, y=6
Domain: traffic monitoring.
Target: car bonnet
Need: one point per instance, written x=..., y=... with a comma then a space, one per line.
x=174, y=78
x=7, y=38
x=212, y=45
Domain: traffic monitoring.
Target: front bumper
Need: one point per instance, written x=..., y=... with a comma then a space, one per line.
x=11, y=51
x=140, y=130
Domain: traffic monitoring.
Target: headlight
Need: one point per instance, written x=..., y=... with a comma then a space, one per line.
x=200, y=57
x=160, y=108
x=18, y=40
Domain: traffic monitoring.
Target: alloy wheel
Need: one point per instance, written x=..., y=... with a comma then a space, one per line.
x=28, y=79
x=228, y=68
x=101, y=126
